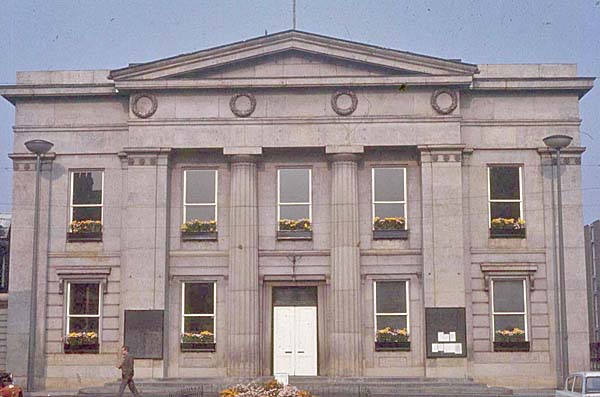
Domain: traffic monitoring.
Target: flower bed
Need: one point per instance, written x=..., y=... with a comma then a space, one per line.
x=86, y=230
x=196, y=229
x=81, y=342
x=389, y=228
x=271, y=388
x=289, y=229
x=203, y=341
x=392, y=339
x=510, y=340
x=507, y=228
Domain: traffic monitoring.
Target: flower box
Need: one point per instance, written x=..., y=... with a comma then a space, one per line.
x=512, y=346
x=197, y=347
x=199, y=236
x=390, y=234
x=82, y=348
x=507, y=232
x=294, y=234
x=84, y=237
x=392, y=346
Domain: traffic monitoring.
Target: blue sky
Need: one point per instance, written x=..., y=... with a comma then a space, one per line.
x=108, y=34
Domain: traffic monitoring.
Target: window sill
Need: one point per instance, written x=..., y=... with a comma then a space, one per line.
x=92, y=348
x=507, y=233
x=511, y=346
x=199, y=236
x=197, y=347
x=392, y=346
x=390, y=234
x=294, y=235
x=84, y=237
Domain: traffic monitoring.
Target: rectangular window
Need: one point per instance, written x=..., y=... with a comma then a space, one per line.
x=200, y=199
x=505, y=193
x=86, y=201
x=389, y=198
x=83, y=317
x=294, y=199
x=392, y=320
x=509, y=310
x=198, y=314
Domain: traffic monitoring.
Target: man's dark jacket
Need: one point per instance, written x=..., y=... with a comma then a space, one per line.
x=127, y=367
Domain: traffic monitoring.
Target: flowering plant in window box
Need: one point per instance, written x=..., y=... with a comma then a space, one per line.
x=507, y=228
x=203, y=341
x=81, y=342
x=392, y=339
x=510, y=340
x=197, y=229
x=389, y=228
x=271, y=388
x=85, y=230
x=294, y=229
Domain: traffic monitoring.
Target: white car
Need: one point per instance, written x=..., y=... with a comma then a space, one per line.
x=581, y=384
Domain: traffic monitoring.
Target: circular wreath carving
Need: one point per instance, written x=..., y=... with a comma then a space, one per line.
x=242, y=112
x=440, y=108
x=144, y=105
x=344, y=111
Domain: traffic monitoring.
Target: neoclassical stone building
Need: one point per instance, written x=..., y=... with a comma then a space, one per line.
x=297, y=204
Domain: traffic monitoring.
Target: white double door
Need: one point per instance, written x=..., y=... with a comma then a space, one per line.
x=295, y=340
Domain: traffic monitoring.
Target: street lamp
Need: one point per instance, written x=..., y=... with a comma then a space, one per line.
x=37, y=147
x=559, y=142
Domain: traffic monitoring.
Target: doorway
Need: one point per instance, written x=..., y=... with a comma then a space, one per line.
x=295, y=331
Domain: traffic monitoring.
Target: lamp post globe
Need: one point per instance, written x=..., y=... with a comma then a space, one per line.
x=38, y=146
x=557, y=142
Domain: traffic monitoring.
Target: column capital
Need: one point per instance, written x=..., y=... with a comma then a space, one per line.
x=144, y=156
x=243, y=158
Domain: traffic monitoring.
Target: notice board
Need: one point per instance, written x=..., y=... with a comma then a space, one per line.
x=144, y=333
x=446, y=332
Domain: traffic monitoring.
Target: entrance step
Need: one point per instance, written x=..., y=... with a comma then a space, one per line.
x=322, y=387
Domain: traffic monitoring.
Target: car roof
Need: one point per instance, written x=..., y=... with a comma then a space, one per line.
x=586, y=373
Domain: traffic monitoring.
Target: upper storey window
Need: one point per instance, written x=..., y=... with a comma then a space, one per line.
x=86, y=205
x=294, y=202
x=505, y=201
x=389, y=202
x=200, y=202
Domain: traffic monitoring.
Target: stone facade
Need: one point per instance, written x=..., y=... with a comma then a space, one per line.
x=297, y=100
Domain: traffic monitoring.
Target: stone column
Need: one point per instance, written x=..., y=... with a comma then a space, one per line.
x=243, y=297
x=443, y=240
x=345, y=353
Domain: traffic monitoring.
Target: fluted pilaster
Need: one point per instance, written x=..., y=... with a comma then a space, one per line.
x=345, y=267
x=243, y=269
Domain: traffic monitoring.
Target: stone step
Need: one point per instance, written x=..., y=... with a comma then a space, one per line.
x=323, y=387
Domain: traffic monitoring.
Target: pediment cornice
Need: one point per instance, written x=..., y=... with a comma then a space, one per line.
x=341, y=50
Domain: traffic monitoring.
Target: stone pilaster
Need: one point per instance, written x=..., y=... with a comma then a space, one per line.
x=243, y=297
x=145, y=233
x=443, y=240
x=346, y=357
x=21, y=250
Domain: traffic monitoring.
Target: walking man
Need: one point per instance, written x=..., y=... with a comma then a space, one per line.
x=126, y=367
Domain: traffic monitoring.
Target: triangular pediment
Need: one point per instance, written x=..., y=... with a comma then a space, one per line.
x=293, y=54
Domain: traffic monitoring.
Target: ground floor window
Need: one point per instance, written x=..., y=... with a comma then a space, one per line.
x=83, y=318
x=509, y=314
x=198, y=316
x=392, y=318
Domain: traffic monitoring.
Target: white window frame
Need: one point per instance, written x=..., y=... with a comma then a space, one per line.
x=524, y=313
x=214, y=315
x=72, y=206
x=216, y=198
x=490, y=201
x=403, y=201
x=407, y=313
x=280, y=204
x=69, y=315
